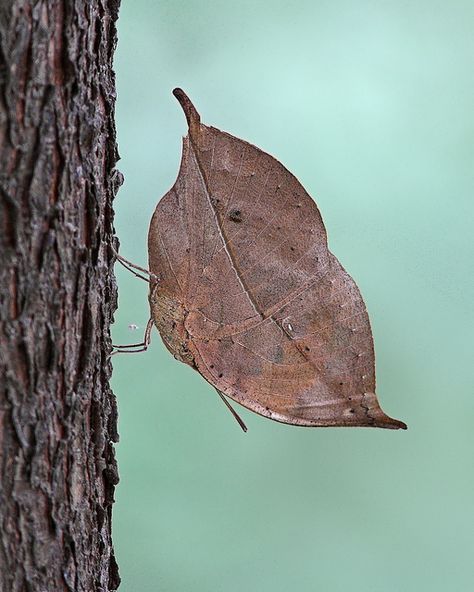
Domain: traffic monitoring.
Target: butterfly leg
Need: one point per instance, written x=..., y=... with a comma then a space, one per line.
x=135, y=348
x=131, y=267
x=233, y=411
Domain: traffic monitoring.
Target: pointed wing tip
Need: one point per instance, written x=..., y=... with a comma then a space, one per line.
x=391, y=424
x=376, y=416
x=192, y=116
x=400, y=425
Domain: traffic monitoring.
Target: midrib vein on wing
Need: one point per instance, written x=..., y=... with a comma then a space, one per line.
x=220, y=229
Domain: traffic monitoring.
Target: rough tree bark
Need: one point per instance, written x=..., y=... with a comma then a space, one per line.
x=57, y=295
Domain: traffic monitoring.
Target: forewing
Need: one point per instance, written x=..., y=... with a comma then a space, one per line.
x=266, y=313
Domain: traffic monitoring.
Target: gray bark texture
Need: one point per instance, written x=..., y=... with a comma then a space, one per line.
x=57, y=295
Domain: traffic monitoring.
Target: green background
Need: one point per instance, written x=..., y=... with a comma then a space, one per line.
x=370, y=105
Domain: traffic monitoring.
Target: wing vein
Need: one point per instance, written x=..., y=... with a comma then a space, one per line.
x=222, y=236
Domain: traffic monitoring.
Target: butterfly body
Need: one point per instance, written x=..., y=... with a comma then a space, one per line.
x=168, y=316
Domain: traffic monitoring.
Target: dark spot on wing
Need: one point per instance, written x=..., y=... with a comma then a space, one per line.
x=235, y=216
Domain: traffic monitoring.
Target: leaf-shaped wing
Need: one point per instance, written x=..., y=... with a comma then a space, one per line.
x=249, y=293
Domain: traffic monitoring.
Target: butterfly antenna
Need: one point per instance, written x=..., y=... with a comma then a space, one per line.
x=233, y=411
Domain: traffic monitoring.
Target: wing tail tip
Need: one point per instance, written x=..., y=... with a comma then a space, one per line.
x=390, y=423
x=375, y=415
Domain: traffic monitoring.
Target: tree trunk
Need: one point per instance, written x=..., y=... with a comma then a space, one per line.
x=57, y=295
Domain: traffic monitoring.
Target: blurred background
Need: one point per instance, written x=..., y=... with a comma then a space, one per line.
x=370, y=105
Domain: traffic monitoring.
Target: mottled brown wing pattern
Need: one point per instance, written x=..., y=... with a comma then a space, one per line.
x=249, y=293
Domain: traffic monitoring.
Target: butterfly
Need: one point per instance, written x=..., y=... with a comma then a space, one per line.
x=244, y=289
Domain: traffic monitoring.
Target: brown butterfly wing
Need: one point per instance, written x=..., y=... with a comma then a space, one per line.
x=249, y=293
